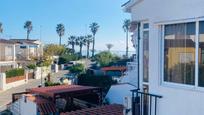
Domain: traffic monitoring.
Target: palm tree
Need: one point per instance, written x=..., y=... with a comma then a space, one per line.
x=60, y=29
x=1, y=27
x=72, y=42
x=81, y=41
x=89, y=40
x=94, y=28
x=109, y=46
x=29, y=27
x=126, y=27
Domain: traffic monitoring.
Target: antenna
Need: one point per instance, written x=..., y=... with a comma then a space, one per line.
x=40, y=33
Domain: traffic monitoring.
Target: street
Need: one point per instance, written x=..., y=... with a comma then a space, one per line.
x=6, y=96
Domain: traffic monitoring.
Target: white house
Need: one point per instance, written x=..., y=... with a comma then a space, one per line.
x=7, y=55
x=28, y=49
x=170, y=39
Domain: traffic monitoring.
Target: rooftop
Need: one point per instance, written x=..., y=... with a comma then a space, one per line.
x=6, y=41
x=114, y=68
x=114, y=109
x=43, y=105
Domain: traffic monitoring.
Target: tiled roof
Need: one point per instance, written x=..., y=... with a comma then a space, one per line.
x=60, y=89
x=43, y=105
x=6, y=41
x=114, y=109
x=114, y=68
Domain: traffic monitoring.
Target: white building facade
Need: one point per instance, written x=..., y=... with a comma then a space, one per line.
x=170, y=53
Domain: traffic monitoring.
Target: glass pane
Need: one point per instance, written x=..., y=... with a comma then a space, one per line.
x=146, y=26
x=145, y=56
x=179, y=53
x=201, y=55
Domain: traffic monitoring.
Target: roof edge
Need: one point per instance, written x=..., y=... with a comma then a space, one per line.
x=129, y=4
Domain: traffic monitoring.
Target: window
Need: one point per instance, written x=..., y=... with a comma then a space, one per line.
x=23, y=47
x=146, y=26
x=8, y=51
x=146, y=52
x=179, y=53
x=201, y=55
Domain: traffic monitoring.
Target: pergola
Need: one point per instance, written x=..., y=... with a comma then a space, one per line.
x=68, y=92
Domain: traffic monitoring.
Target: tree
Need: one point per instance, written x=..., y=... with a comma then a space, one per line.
x=1, y=27
x=60, y=29
x=94, y=28
x=109, y=46
x=78, y=68
x=89, y=40
x=81, y=41
x=72, y=42
x=126, y=27
x=29, y=27
x=105, y=58
x=54, y=50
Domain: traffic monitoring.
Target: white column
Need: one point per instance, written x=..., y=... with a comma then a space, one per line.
x=14, y=52
x=27, y=46
x=2, y=81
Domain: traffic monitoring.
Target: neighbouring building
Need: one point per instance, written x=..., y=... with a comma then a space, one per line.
x=7, y=55
x=169, y=65
x=28, y=49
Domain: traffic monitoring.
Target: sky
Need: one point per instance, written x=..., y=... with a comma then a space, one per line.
x=76, y=15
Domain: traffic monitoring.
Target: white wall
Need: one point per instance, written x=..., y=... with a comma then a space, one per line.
x=27, y=107
x=5, y=86
x=117, y=93
x=42, y=71
x=176, y=100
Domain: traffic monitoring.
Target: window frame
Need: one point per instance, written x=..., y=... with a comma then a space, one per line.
x=162, y=41
x=142, y=50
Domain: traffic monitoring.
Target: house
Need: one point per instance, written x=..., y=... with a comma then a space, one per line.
x=169, y=39
x=54, y=100
x=28, y=49
x=7, y=55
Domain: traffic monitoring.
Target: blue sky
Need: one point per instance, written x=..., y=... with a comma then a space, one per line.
x=76, y=15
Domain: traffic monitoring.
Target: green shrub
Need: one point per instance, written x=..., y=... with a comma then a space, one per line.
x=14, y=73
x=67, y=57
x=104, y=82
x=105, y=58
x=48, y=83
x=78, y=68
x=31, y=66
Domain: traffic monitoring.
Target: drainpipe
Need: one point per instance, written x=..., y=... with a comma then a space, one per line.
x=138, y=56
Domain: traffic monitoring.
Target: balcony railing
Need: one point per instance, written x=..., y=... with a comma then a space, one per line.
x=144, y=103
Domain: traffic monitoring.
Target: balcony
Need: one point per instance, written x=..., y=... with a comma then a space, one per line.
x=6, y=58
x=144, y=103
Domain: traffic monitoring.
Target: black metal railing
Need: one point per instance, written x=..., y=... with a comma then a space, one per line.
x=144, y=103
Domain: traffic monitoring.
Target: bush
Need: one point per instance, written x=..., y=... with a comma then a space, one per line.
x=31, y=66
x=67, y=57
x=48, y=83
x=78, y=68
x=105, y=58
x=104, y=82
x=14, y=73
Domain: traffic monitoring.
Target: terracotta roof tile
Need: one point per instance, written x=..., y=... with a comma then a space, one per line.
x=114, y=109
x=43, y=105
x=114, y=68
